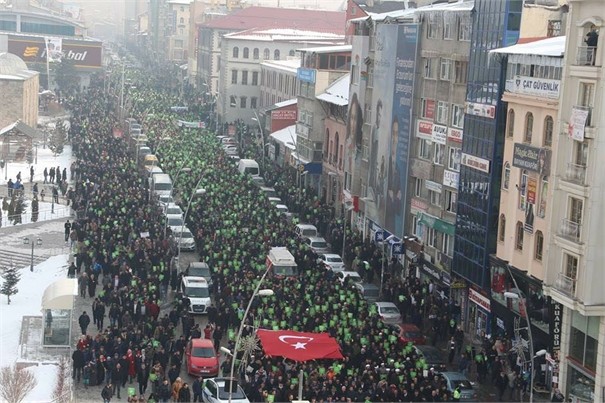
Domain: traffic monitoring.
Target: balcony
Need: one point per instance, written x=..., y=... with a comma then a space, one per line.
x=575, y=174
x=566, y=285
x=586, y=55
x=570, y=230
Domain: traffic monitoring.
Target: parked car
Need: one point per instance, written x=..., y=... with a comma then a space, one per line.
x=216, y=390
x=388, y=312
x=454, y=379
x=433, y=357
x=201, y=358
x=173, y=209
x=409, y=333
x=349, y=277
x=317, y=244
x=305, y=230
x=199, y=269
x=165, y=200
x=332, y=261
x=175, y=222
x=369, y=291
x=185, y=239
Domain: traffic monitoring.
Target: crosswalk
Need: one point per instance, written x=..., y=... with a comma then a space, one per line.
x=18, y=259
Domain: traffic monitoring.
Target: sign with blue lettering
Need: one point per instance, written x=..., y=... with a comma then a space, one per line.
x=306, y=75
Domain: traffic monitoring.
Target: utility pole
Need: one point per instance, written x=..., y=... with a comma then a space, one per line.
x=122, y=95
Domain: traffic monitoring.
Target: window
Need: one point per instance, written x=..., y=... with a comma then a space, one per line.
x=549, y=125
x=232, y=101
x=448, y=245
x=454, y=155
x=438, y=153
x=442, y=112
x=431, y=237
x=506, y=176
x=292, y=53
x=445, y=69
x=424, y=149
x=255, y=54
x=448, y=29
x=554, y=28
x=458, y=116
x=276, y=54
x=266, y=54
x=519, y=236
x=417, y=187
x=435, y=198
x=451, y=198
x=575, y=210
x=529, y=127
x=253, y=102
x=235, y=52
x=428, y=67
x=543, y=197
x=523, y=190
x=502, y=228
x=242, y=102
x=460, y=70
x=415, y=226
x=464, y=29
x=233, y=76
x=510, y=130
x=539, y=248
x=583, y=342
x=433, y=26
x=244, y=77
x=255, y=78
x=571, y=266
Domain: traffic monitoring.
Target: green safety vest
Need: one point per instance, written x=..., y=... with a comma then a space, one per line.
x=456, y=393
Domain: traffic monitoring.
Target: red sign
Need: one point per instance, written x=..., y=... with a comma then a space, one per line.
x=429, y=109
x=299, y=346
x=479, y=299
x=283, y=114
x=419, y=205
x=425, y=127
x=32, y=49
x=532, y=186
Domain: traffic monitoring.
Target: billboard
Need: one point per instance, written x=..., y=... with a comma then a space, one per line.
x=32, y=49
x=394, y=72
x=531, y=158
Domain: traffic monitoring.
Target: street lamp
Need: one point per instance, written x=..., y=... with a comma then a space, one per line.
x=198, y=192
x=513, y=295
x=27, y=241
x=261, y=293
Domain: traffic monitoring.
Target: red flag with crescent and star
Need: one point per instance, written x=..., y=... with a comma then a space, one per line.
x=299, y=346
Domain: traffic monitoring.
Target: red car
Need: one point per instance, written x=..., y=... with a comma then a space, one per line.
x=201, y=358
x=408, y=332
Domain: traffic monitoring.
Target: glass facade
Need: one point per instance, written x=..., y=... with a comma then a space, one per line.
x=495, y=24
x=51, y=29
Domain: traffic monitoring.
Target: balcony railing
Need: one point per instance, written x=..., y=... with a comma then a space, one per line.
x=566, y=285
x=575, y=174
x=589, y=110
x=570, y=230
x=586, y=55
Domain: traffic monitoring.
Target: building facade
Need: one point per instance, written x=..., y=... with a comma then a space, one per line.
x=178, y=30
x=278, y=81
x=574, y=277
x=19, y=88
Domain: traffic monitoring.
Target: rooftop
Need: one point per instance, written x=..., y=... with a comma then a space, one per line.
x=460, y=5
x=338, y=92
x=284, y=34
x=328, y=49
x=291, y=65
x=268, y=17
x=12, y=67
x=382, y=6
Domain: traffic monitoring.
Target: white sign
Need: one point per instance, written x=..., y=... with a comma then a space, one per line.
x=454, y=135
x=479, y=299
x=577, y=123
x=439, y=134
x=540, y=87
x=477, y=163
x=434, y=186
x=451, y=179
x=483, y=110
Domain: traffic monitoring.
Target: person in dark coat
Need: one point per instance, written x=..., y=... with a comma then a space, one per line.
x=185, y=393
x=107, y=393
x=84, y=321
x=196, y=388
x=142, y=378
x=77, y=364
x=164, y=391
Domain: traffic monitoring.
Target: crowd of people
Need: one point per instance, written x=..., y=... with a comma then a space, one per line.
x=123, y=263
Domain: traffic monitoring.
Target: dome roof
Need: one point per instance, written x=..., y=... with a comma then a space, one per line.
x=11, y=64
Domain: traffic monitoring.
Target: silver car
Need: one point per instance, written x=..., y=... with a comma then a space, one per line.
x=388, y=312
x=318, y=244
x=332, y=261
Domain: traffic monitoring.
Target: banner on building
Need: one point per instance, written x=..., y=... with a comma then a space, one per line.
x=32, y=49
x=577, y=123
x=540, y=87
x=531, y=158
x=54, y=49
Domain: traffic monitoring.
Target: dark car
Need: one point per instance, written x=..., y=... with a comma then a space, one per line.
x=408, y=332
x=433, y=356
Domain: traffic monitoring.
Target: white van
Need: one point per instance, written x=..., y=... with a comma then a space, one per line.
x=197, y=291
x=305, y=230
x=161, y=184
x=250, y=167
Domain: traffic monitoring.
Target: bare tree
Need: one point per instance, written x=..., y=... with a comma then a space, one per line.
x=62, y=388
x=15, y=384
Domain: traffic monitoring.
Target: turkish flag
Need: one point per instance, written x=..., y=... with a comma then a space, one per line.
x=298, y=346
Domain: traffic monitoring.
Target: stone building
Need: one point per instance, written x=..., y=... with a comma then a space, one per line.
x=19, y=88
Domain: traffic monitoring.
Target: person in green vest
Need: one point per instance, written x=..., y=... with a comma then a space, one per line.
x=457, y=394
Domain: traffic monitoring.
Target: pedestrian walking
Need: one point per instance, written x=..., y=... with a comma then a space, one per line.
x=67, y=227
x=31, y=174
x=107, y=393
x=45, y=173
x=51, y=175
x=84, y=321
x=55, y=195
x=42, y=194
x=77, y=364
x=35, y=190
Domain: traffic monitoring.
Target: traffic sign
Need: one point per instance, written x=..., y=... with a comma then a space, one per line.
x=397, y=248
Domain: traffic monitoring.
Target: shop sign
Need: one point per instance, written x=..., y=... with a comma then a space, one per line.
x=418, y=205
x=555, y=325
x=477, y=163
x=479, y=299
x=439, y=134
x=433, y=186
x=540, y=87
x=436, y=223
x=424, y=130
x=283, y=114
x=500, y=323
x=455, y=135
x=531, y=158
x=458, y=284
x=482, y=110
x=451, y=179
x=33, y=49
x=306, y=75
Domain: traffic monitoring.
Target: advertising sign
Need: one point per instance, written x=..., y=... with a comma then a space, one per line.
x=424, y=129
x=577, y=123
x=477, y=163
x=532, y=186
x=455, y=135
x=284, y=114
x=418, y=205
x=306, y=75
x=451, y=179
x=429, y=109
x=531, y=158
x=433, y=186
x=479, y=299
x=482, y=110
x=394, y=74
x=32, y=49
x=54, y=49
x=439, y=134
x=555, y=325
x=541, y=87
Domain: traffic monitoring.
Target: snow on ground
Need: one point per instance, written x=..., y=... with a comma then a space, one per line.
x=27, y=302
x=46, y=159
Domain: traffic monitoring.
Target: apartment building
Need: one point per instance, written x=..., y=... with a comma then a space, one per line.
x=574, y=276
x=178, y=30
x=278, y=81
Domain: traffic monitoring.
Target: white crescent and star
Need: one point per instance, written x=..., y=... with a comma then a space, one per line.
x=299, y=344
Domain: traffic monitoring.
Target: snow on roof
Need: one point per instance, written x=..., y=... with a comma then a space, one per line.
x=182, y=2
x=461, y=5
x=286, y=136
x=338, y=92
x=328, y=49
x=290, y=65
x=60, y=294
x=288, y=102
x=275, y=34
x=554, y=47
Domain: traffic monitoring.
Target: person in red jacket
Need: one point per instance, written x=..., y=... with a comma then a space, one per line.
x=132, y=372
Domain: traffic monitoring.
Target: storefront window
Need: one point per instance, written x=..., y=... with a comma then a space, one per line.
x=581, y=387
x=583, y=340
x=538, y=308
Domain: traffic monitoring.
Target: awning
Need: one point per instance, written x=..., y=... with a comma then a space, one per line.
x=554, y=47
x=286, y=136
x=437, y=224
x=60, y=294
x=338, y=92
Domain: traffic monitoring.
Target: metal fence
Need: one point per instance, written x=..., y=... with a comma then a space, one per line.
x=60, y=211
